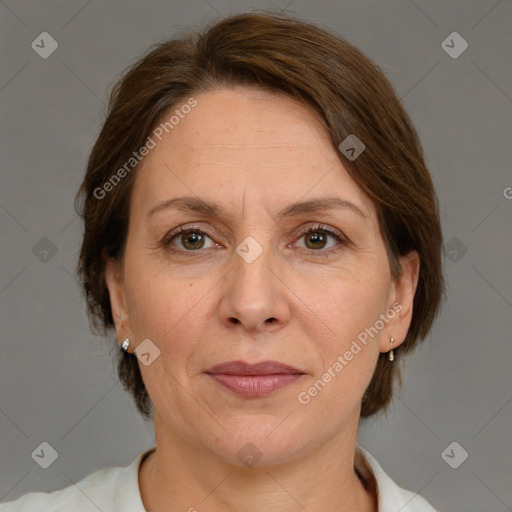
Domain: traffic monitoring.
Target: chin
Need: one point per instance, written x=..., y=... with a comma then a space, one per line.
x=260, y=443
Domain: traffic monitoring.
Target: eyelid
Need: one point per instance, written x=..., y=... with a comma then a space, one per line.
x=166, y=240
x=321, y=227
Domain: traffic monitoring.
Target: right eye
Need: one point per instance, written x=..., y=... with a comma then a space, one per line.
x=189, y=238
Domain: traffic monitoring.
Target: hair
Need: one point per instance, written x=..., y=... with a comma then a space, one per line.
x=323, y=71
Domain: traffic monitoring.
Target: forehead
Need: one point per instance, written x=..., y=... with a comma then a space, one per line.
x=238, y=121
x=238, y=140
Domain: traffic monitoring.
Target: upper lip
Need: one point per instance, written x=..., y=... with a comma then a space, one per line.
x=261, y=368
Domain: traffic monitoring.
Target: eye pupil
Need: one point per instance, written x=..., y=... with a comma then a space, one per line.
x=315, y=238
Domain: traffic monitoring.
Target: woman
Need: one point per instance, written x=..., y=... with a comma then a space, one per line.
x=263, y=235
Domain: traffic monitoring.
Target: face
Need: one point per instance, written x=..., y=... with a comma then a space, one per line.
x=255, y=277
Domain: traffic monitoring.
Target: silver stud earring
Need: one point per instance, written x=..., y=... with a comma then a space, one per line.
x=125, y=345
x=391, y=356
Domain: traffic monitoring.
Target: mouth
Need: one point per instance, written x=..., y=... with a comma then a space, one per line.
x=254, y=380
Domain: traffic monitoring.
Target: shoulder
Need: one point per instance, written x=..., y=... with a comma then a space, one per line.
x=95, y=489
x=114, y=488
x=391, y=496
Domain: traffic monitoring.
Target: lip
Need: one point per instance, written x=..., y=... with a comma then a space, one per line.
x=262, y=368
x=254, y=380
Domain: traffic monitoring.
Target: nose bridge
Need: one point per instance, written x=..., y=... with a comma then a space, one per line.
x=254, y=297
x=251, y=273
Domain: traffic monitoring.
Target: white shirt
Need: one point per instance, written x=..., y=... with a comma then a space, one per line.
x=117, y=489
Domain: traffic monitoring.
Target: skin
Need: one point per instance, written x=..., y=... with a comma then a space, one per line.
x=254, y=153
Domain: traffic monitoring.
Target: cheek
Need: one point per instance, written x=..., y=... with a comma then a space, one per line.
x=342, y=304
x=349, y=351
x=345, y=330
x=169, y=311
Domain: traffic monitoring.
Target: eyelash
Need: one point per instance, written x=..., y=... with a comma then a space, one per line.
x=169, y=237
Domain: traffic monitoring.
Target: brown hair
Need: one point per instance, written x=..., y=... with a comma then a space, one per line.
x=322, y=70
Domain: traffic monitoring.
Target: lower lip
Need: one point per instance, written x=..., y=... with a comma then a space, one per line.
x=255, y=385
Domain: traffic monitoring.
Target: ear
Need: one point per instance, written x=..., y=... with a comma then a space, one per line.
x=118, y=303
x=401, y=302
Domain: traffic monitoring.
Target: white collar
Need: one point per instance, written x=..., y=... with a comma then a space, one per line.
x=393, y=498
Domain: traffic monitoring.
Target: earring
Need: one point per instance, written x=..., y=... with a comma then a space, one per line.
x=391, y=356
x=125, y=345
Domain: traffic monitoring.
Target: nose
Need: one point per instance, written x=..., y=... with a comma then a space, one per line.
x=255, y=295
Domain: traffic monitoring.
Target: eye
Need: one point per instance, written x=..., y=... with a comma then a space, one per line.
x=187, y=239
x=316, y=239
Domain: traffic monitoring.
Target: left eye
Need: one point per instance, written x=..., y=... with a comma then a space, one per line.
x=316, y=238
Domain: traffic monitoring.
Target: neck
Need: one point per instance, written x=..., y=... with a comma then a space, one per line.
x=179, y=476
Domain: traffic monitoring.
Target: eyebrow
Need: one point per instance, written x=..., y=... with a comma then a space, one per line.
x=196, y=204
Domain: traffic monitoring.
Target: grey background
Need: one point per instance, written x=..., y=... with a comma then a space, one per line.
x=57, y=381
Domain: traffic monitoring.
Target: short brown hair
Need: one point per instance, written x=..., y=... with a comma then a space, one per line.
x=322, y=70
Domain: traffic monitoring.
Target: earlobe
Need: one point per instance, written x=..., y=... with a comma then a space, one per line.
x=404, y=292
